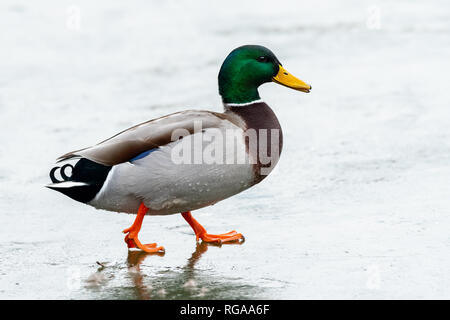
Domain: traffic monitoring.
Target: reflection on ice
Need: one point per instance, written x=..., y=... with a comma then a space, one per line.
x=176, y=284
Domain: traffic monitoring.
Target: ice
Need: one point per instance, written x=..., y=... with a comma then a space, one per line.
x=358, y=206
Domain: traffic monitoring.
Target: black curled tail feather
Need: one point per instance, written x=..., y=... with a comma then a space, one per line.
x=61, y=172
x=52, y=175
x=87, y=176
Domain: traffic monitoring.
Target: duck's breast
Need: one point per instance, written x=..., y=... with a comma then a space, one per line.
x=262, y=123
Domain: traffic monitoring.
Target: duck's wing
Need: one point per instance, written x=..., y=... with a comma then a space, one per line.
x=148, y=135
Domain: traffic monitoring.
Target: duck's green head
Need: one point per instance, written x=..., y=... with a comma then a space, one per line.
x=248, y=67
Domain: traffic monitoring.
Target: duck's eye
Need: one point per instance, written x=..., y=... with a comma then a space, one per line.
x=262, y=59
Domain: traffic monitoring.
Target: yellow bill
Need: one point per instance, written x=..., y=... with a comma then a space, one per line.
x=286, y=79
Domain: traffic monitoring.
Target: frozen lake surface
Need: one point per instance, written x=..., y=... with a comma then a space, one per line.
x=358, y=206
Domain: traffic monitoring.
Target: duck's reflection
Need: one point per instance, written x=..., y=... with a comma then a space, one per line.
x=186, y=282
x=200, y=249
x=134, y=260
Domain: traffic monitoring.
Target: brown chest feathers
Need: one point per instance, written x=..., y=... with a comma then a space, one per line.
x=264, y=137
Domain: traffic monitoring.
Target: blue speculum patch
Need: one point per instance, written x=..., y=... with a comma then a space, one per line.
x=142, y=155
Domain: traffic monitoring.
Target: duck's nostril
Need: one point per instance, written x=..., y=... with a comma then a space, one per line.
x=286, y=73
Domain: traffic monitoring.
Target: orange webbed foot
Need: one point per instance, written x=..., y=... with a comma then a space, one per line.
x=132, y=232
x=200, y=232
x=231, y=236
x=132, y=241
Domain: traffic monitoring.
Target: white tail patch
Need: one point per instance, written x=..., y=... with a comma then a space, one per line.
x=66, y=184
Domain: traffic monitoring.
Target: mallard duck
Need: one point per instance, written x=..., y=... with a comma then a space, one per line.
x=165, y=165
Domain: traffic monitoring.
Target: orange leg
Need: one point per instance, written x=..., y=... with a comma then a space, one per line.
x=132, y=233
x=200, y=232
